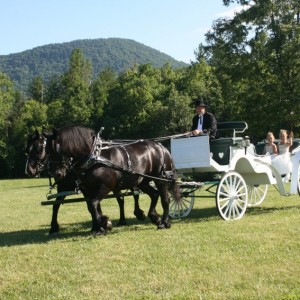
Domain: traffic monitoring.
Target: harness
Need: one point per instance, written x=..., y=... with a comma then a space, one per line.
x=96, y=158
x=95, y=154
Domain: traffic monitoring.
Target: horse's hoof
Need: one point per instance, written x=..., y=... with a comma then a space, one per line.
x=168, y=225
x=99, y=232
x=53, y=233
x=161, y=226
x=54, y=229
x=164, y=226
x=156, y=220
x=109, y=225
x=140, y=215
x=106, y=223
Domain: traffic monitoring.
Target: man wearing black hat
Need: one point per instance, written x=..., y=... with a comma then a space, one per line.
x=203, y=122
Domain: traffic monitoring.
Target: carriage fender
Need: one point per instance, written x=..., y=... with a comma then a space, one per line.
x=258, y=171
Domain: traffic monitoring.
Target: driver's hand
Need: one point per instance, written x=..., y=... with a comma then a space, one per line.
x=196, y=132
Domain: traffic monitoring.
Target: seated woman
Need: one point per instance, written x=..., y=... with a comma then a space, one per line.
x=270, y=147
x=282, y=162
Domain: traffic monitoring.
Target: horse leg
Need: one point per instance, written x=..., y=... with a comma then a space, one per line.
x=153, y=194
x=122, y=220
x=138, y=212
x=99, y=210
x=100, y=223
x=54, y=223
x=164, y=196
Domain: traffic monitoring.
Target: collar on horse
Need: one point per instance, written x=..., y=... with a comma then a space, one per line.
x=96, y=158
x=95, y=154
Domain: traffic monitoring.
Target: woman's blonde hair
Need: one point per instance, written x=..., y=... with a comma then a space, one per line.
x=270, y=134
x=283, y=131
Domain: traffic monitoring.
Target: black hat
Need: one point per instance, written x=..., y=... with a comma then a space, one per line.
x=199, y=103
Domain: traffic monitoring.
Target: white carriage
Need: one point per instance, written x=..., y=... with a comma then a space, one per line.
x=242, y=177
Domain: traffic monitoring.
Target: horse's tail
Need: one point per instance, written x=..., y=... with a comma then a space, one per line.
x=175, y=190
x=173, y=187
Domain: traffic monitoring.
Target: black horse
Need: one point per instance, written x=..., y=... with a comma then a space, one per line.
x=102, y=169
x=37, y=162
x=36, y=152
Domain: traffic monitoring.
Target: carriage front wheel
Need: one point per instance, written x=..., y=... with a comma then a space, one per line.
x=232, y=196
x=182, y=208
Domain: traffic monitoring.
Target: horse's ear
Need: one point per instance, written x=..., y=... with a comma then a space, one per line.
x=45, y=134
x=55, y=132
x=36, y=132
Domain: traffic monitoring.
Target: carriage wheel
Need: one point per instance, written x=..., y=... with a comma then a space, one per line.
x=256, y=194
x=182, y=208
x=232, y=196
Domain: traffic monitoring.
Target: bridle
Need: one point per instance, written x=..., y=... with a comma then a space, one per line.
x=37, y=155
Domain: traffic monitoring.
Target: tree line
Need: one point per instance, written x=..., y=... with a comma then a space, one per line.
x=248, y=69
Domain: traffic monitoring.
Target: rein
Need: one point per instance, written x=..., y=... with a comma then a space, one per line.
x=95, y=156
x=111, y=165
x=163, y=138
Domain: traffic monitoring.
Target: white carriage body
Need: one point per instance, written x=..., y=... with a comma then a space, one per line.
x=197, y=154
x=244, y=176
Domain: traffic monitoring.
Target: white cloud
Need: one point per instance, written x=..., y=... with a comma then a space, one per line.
x=231, y=12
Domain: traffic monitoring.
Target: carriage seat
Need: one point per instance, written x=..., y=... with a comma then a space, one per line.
x=220, y=150
x=221, y=147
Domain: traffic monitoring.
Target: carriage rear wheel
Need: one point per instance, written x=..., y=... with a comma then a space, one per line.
x=182, y=208
x=256, y=194
x=232, y=196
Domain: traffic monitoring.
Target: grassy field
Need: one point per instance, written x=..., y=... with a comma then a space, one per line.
x=200, y=257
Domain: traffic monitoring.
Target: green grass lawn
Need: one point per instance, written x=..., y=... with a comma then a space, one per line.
x=200, y=257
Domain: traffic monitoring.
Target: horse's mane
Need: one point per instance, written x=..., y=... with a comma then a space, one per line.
x=76, y=140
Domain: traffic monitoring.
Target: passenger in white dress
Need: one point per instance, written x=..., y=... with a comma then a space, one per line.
x=270, y=147
x=282, y=162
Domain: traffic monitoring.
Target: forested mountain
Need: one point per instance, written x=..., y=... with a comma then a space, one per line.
x=46, y=61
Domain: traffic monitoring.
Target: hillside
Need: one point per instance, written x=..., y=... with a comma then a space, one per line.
x=46, y=61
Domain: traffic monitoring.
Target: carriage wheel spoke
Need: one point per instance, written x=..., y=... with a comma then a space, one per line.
x=184, y=206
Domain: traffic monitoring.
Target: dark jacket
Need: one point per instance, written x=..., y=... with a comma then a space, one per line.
x=209, y=124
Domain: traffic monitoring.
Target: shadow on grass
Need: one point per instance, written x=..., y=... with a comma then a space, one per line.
x=35, y=186
x=211, y=213
x=265, y=210
x=82, y=229
x=41, y=236
x=67, y=231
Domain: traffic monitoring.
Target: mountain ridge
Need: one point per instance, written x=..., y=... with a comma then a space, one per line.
x=48, y=60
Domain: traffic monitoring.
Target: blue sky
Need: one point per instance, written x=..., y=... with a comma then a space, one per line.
x=174, y=27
